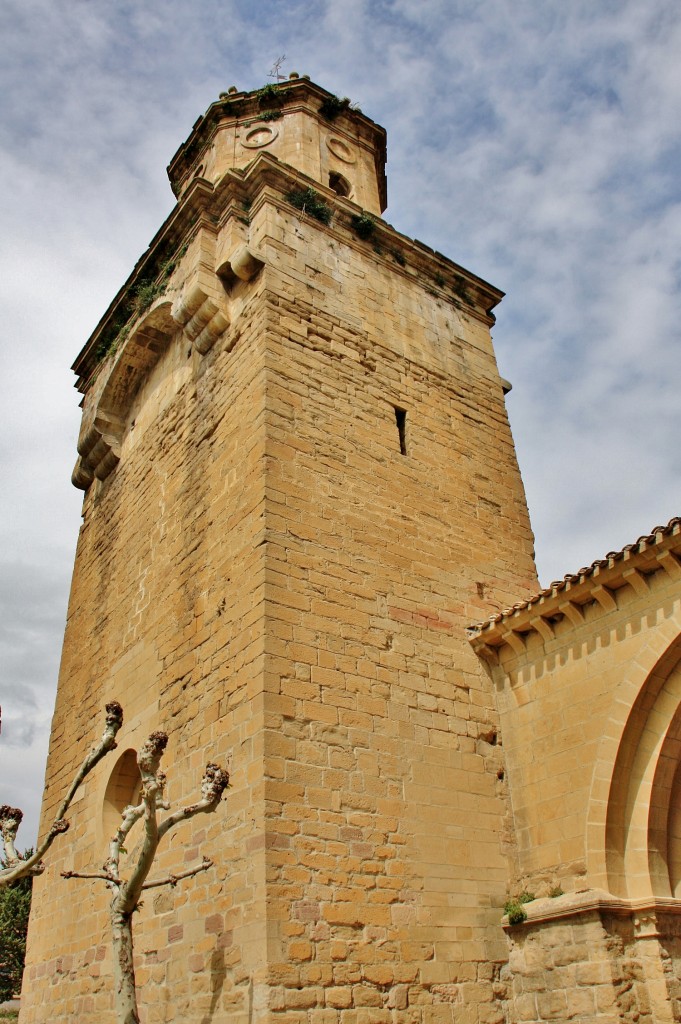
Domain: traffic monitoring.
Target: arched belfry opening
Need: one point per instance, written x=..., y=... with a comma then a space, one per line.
x=339, y=184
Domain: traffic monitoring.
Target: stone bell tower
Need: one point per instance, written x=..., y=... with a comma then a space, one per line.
x=300, y=487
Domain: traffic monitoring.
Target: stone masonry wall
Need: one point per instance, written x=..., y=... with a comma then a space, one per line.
x=592, y=967
x=385, y=793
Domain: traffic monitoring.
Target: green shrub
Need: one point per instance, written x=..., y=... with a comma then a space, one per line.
x=334, y=105
x=462, y=292
x=145, y=294
x=363, y=225
x=268, y=96
x=515, y=912
x=513, y=907
x=15, y=903
x=138, y=300
x=311, y=203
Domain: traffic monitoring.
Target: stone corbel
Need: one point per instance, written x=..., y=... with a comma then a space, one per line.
x=243, y=264
x=670, y=563
x=516, y=641
x=99, y=450
x=487, y=653
x=543, y=627
x=201, y=318
x=605, y=598
x=637, y=581
x=573, y=612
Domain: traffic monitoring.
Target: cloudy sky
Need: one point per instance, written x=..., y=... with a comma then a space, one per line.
x=536, y=142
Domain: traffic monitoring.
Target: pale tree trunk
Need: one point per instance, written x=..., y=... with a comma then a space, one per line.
x=125, y=991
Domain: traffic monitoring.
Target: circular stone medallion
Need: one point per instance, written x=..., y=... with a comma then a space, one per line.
x=341, y=150
x=259, y=136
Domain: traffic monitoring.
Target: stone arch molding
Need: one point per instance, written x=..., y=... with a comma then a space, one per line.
x=636, y=791
x=201, y=313
x=101, y=435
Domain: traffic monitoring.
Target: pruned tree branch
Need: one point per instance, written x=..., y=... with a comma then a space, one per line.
x=10, y=817
x=153, y=781
x=85, y=874
x=131, y=815
x=172, y=880
x=215, y=781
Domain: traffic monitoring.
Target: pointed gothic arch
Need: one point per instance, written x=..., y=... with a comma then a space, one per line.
x=637, y=778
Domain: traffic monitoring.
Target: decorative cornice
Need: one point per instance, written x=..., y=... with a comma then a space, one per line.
x=600, y=582
x=405, y=256
x=204, y=205
x=643, y=912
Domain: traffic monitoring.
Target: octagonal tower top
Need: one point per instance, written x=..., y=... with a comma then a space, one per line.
x=301, y=124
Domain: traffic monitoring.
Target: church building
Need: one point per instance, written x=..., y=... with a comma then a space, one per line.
x=306, y=553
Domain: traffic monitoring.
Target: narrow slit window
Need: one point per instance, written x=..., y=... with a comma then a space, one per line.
x=401, y=421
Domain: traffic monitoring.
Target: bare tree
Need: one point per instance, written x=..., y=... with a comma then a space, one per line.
x=10, y=817
x=127, y=892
